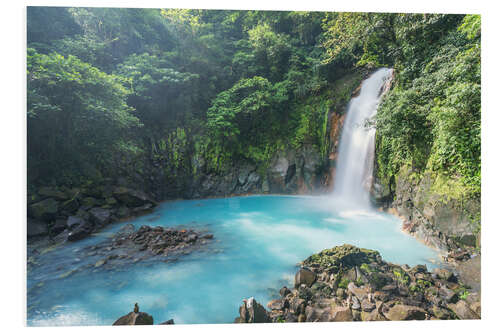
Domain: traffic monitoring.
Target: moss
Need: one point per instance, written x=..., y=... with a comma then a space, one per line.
x=346, y=256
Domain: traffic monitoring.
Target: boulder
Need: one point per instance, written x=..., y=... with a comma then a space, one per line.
x=133, y=318
x=168, y=322
x=36, y=228
x=74, y=221
x=340, y=313
x=445, y=274
x=70, y=206
x=100, y=216
x=131, y=198
x=49, y=192
x=463, y=311
x=448, y=295
x=304, y=276
x=284, y=291
x=252, y=312
x=123, y=212
x=405, y=312
x=89, y=202
x=44, y=210
x=80, y=230
x=58, y=226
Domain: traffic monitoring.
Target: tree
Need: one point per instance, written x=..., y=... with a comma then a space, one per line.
x=77, y=115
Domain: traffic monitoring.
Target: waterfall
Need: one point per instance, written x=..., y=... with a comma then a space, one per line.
x=353, y=175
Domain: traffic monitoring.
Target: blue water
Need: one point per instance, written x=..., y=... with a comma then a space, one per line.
x=258, y=241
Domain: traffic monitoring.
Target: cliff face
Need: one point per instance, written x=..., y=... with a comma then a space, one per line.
x=300, y=166
x=439, y=219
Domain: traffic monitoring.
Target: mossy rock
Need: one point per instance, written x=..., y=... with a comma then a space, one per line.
x=346, y=256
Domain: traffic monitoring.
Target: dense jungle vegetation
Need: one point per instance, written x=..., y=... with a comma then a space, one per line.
x=110, y=90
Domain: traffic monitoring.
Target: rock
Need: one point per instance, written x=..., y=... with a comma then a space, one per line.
x=207, y=236
x=44, y=210
x=89, y=202
x=346, y=255
x=81, y=231
x=252, y=312
x=123, y=211
x=99, y=216
x=304, y=276
x=360, y=292
x=445, y=274
x=341, y=293
x=448, y=295
x=441, y=313
x=405, y=312
x=142, y=209
x=367, y=306
x=462, y=310
x=132, y=318
x=467, y=240
x=49, y=192
x=341, y=314
x=284, y=291
x=372, y=316
x=100, y=263
x=278, y=304
x=313, y=314
x=476, y=307
x=131, y=198
x=168, y=322
x=73, y=221
x=58, y=226
x=355, y=303
x=111, y=201
x=297, y=305
x=36, y=228
x=70, y=206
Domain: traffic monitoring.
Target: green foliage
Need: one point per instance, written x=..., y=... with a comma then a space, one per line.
x=214, y=88
x=434, y=123
x=72, y=104
x=400, y=276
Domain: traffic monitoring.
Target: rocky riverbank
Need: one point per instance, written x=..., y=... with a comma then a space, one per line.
x=129, y=245
x=70, y=214
x=347, y=283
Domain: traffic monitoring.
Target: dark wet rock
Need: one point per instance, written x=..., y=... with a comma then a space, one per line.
x=44, y=210
x=74, y=221
x=131, y=245
x=99, y=216
x=36, y=228
x=58, y=226
x=123, y=211
x=135, y=318
x=131, y=198
x=80, y=231
x=89, y=202
x=284, y=291
x=168, y=322
x=70, y=206
x=48, y=192
x=252, y=312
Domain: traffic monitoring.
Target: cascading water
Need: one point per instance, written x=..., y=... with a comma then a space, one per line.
x=355, y=160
